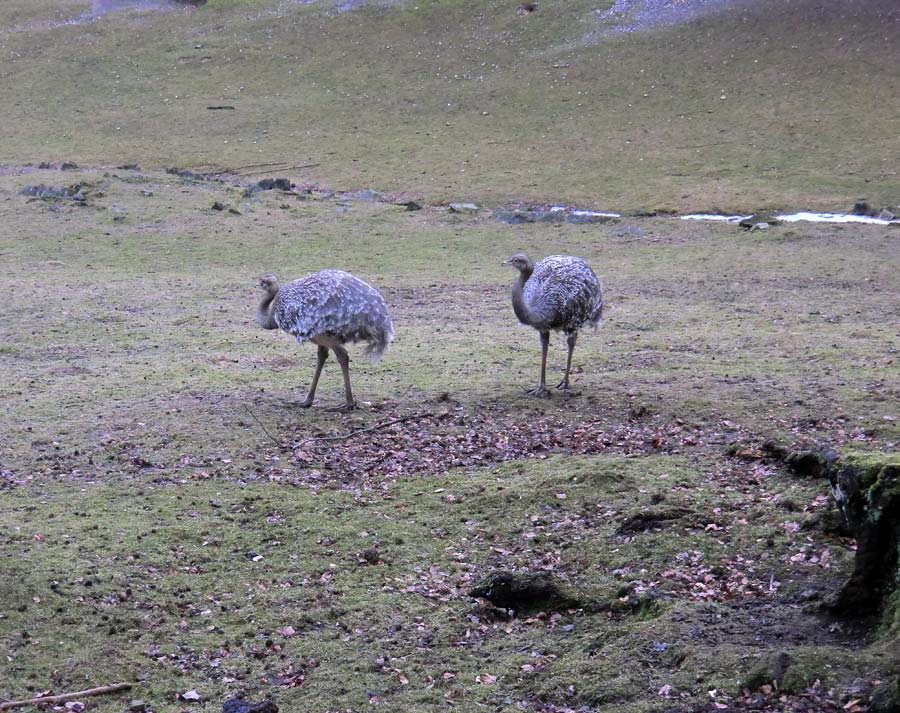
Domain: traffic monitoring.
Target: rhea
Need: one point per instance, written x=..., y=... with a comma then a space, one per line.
x=558, y=293
x=330, y=308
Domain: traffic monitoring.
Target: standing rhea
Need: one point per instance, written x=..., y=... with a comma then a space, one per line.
x=329, y=308
x=559, y=293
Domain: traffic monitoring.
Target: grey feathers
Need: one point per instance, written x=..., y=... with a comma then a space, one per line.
x=562, y=293
x=335, y=305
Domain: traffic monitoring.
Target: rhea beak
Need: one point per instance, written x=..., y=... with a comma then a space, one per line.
x=508, y=262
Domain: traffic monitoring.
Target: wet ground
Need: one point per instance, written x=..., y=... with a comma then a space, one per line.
x=632, y=15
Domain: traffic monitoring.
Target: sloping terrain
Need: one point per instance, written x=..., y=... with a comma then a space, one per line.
x=170, y=519
x=770, y=104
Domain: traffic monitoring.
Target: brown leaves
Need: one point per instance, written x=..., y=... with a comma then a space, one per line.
x=433, y=443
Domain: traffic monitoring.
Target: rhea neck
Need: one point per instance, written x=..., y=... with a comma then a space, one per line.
x=520, y=306
x=264, y=311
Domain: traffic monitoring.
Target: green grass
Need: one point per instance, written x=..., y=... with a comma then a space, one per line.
x=137, y=389
x=159, y=583
x=149, y=437
x=455, y=100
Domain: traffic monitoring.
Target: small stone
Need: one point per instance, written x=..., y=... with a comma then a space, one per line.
x=862, y=207
x=463, y=208
x=136, y=706
x=218, y=206
x=370, y=555
x=758, y=221
x=68, y=166
x=886, y=214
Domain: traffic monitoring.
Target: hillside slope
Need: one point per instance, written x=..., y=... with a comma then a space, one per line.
x=784, y=104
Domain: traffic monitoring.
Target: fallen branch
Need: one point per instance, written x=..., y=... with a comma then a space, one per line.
x=43, y=700
x=376, y=427
x=252, y=165
x=265, y=430
x=242, y=172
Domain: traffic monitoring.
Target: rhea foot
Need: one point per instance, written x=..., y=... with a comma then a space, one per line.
x=349, y=406
x=540, y=392
x=564, y=384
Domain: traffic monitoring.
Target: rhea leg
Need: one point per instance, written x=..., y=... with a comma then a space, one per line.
x=344, y=360
x=321, y=356
x=541, y=389
x=571, y=338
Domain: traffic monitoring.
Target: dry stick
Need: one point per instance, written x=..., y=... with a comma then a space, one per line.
x=265, y=430
x=362, y=430
x=66, y=696
x=253, y=165
x=279, y=170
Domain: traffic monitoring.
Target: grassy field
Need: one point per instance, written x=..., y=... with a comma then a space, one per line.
x=170, y=518
x=151, y=450
x=784, y=105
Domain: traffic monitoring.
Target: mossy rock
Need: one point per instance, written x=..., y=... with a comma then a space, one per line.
x=866, y=487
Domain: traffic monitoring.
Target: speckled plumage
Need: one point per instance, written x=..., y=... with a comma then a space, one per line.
x=329, y=308
x=334, y=304
x=559, y=293
x=562, y=293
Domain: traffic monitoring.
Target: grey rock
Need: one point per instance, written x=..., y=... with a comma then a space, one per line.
x=55, y=193
x=514, y=217
x=862, y=207
x=268, y=184
x=887, y=214
x=587, y=217
x=463, y=208
x=757, y=221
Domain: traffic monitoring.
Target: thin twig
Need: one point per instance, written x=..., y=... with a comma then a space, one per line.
x=265, y=430
x=242, y=172
x=43, y=700
x=253, y=165
x=376, y=427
